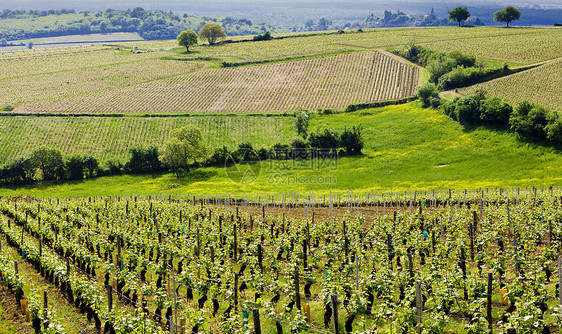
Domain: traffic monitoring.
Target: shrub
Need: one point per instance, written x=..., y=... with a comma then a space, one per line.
x=263, y=37
x=245, y=152
x=7, y=108
x=462, y=59
x=426, y=93
x=529, y=120
x=326, y=141
x=301, y=122
x=75, y=167
x=554, y=128
x=220, y=157
x=438, y=68
x=351, y=140
x=114, y=167
x=495, y=111
x=143, y=160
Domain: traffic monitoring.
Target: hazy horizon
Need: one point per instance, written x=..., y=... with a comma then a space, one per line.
x=280, y=12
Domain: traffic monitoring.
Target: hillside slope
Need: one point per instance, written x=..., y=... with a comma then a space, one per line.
x=406, y=148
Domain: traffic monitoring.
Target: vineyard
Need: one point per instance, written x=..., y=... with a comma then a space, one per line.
x=110, y=138
x=538, y=85
x=330, y=82
x=441, y=262
x=59, y=85
x=102, y=79
x=514, y=46
x=18, y=64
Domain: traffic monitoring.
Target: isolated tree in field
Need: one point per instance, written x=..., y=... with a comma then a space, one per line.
x=187, y=38
x=212, y=32
x=507, y=15
x=185, y=148
x=49, y=161
x=459, y=14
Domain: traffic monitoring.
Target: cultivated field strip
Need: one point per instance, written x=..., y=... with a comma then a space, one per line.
x=538, y=85
x=515, y=46
x=109, y=138
x=17, y=64
x=59, y=85
x=328, y=82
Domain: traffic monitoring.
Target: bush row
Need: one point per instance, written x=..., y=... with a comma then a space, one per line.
x=49, y=164
x=529, y=121
x=452, y=69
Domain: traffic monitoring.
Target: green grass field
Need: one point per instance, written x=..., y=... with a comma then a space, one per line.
x=406, y=148
x=538, y=85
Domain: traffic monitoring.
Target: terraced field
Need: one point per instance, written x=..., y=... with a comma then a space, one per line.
x=539, y=85
x=109, y=138
x=328, y=82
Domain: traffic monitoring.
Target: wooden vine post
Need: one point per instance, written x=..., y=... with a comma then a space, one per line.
x=235, y=292
x=419, y=307
x=297, y=289
x=45, y=304
x=109, y=298
x=335, y=314
x=257, y=325
x=489, y=302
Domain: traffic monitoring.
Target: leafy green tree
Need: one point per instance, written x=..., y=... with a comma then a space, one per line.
x=301, y=122
x=187, y=38
x=19, y=171
x=495, y=111
x=91, y=165
x=352, y=140
x=459, y=14
x=185, y=148
x=75, y=167
x=529, y=120
x=143, y=160
x=212, y=32
x=507, y=15
x=554, y=127
x=49, y=161
x=326, y=141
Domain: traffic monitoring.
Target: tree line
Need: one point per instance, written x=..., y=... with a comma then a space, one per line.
x=150, y=24
x=529, y=121
x=185, y=150
x=506, y=15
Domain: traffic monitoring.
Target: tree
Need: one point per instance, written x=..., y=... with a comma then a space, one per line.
x=49, y=161
x=301, y=122
x=507, y=15
x=187, y=38
x=351, y=140
x=459, y=14
x=185, y=148
x=143, y=160
x=75, y=167
x=212, y=32
x=91, y=165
